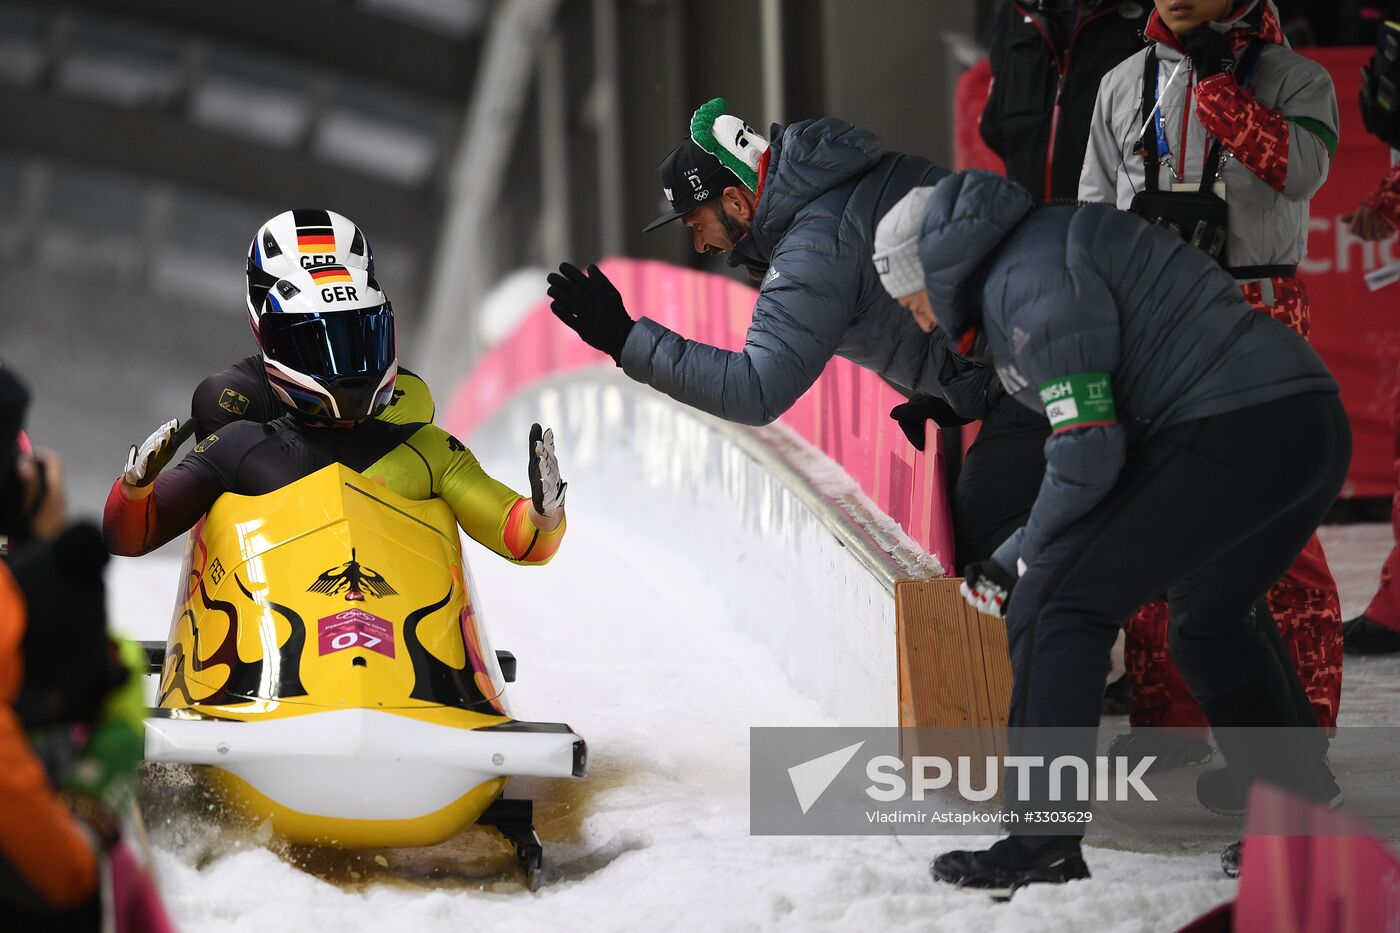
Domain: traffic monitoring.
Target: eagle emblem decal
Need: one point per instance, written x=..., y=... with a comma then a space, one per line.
x=354, y=579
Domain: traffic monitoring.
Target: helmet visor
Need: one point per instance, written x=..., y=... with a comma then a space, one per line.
x=331, y=345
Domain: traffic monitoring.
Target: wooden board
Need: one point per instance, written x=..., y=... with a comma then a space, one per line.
x=954, y=671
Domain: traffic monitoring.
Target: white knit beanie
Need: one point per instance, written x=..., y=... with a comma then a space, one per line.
x=897, y=244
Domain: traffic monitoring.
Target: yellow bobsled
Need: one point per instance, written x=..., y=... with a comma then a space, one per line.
x=325, y=659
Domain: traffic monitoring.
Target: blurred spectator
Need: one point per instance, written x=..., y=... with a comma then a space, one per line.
x=1048, y=57
x=1266, y=119
x=70, y=703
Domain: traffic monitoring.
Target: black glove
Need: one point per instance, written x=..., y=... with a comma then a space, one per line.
x=591, y=306
x=1210, y=52
x=987, y=587
x=913, y=416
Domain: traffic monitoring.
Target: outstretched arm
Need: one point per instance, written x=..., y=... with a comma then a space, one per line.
x=803, y=310
x=491, y=513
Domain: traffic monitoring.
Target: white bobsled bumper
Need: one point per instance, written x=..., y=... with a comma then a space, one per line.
x=366, y=764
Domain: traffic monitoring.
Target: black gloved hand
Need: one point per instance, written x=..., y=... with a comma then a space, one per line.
x=987, y=587
x=591, y=306
x=914, y=415
x=1209, y=50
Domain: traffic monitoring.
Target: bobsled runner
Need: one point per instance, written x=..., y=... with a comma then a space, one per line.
x=325, y=662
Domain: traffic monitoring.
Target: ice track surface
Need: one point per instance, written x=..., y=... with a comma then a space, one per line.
x=645, y=659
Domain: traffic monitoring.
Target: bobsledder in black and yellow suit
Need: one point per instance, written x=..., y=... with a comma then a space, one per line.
x=329, y=361
x=416, y=461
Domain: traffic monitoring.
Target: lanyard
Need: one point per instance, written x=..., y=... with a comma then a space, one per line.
x=1153, y=119
x=1163, y=148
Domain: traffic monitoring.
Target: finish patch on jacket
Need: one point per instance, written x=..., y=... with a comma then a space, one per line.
x=1079, y=401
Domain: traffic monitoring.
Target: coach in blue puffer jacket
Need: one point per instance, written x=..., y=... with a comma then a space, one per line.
x=800, y=212
x=1195, y=446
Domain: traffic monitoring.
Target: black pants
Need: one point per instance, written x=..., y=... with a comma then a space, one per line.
x=1211, y=512
x=999, y=480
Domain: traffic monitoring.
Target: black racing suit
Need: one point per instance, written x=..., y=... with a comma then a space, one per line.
x=241, y=393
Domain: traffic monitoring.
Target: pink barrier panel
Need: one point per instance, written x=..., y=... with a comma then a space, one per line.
x=1344, y=881
x=845, y=414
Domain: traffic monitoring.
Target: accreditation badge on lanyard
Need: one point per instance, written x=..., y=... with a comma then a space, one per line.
x=1164, y=152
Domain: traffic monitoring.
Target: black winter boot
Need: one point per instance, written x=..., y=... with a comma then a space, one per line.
x=1118, y=697
x=1218, y=792
x=1012, y=863
x=1362, y=635
x=1169, y=750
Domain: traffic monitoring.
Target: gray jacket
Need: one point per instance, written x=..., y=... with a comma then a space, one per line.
x=1267, y=226
x=1065, y=291
x=827, y=186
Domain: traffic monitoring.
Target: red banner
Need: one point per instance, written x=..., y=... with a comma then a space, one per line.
x=1356, y=331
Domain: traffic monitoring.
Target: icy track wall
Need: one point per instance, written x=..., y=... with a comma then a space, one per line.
x=809, y=558
x=807, y=568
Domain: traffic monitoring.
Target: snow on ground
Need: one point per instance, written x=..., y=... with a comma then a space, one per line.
x=636, y=653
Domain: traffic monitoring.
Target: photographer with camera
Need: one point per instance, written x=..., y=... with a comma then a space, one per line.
x=1220, y=132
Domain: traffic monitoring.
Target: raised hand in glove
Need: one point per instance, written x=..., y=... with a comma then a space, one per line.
x=590, y=304
x=1209, y=50
x=987, y=587
x=144, y=462
x=913, y=417
x=546, y=488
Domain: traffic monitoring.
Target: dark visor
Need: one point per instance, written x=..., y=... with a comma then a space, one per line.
x=333, y=344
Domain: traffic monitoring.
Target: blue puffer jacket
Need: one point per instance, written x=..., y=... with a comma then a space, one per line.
x=828, y=185
x=1066, y=291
